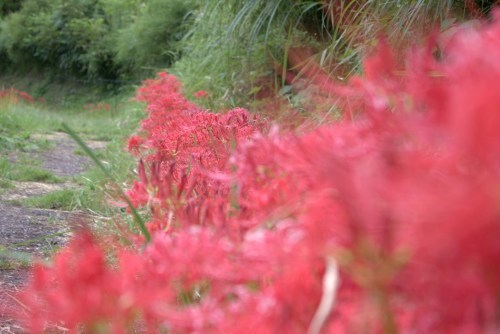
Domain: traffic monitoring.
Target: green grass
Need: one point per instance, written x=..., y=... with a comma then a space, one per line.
x=58, y=200
x=225, y=66
x=25, y=170
x=235, y=48
x=20, y=123
x=17, y=125
x=21, y=141
x=6, y=184
x=10, y=259
x=95, y=186
x=12, y=262
x=37, y=174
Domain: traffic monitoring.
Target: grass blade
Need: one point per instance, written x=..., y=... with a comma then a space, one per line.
x=136, y=217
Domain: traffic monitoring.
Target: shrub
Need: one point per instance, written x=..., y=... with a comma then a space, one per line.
x=151, y=40
x=69, y=36
x=9, y=6
x=94, y=39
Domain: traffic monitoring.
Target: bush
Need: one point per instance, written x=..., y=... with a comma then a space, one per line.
x=151, y=40
x=9, y=6
x=71, y=37
x=94, y=39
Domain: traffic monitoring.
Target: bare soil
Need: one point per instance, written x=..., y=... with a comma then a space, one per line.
x=38, y=232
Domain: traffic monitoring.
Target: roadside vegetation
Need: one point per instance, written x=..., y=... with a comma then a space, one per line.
x=265, y=166
x=25, y=125
x=236, y=50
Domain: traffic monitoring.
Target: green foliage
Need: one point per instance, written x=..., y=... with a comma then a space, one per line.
x=61, y=200
x=233, y=44
x=19, y=124
x=221, y=57
x=9, y=6
x=70, y=36
x=151, y=40
x=94, y=39
x=26, y=171
x=228, y=47
x=5, y=184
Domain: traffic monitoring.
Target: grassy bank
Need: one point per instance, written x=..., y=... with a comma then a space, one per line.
x=23, y=130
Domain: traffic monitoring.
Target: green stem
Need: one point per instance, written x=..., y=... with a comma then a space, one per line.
x=136, y=217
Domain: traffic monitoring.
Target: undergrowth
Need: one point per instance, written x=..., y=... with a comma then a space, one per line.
x=242, y=50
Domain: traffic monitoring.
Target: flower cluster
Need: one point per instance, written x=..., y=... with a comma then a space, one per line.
x=185, y=148
x=13, y=96
x=384, y=222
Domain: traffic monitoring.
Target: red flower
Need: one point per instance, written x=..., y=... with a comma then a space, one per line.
x=134, y=144
x=200, y=94
x=248, y=223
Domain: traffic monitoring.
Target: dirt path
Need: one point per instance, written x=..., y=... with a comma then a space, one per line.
x=37, y=232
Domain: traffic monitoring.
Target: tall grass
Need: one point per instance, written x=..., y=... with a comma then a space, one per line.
x=225, y=63
x=234, y=44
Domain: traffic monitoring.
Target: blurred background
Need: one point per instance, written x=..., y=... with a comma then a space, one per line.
x=235, y=50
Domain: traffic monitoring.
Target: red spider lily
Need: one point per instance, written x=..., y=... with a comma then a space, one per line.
x=383, y=223
x=13, y=96
x=200, y=94
x=185, y=145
